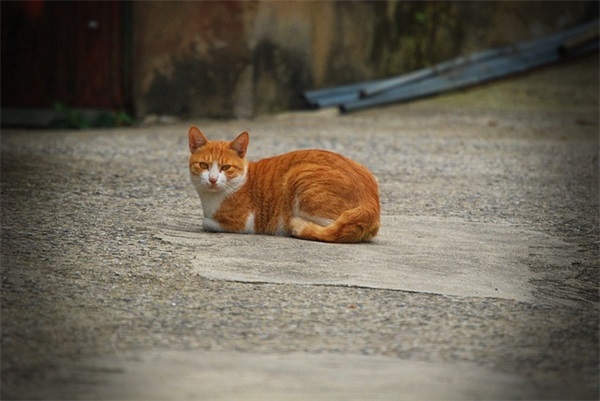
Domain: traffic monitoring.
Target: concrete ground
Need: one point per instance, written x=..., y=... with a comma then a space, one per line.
x=483, y=282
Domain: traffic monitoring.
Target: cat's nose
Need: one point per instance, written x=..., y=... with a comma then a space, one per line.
x=212, y=180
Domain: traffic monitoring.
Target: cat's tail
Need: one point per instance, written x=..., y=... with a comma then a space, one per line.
x=360, y=224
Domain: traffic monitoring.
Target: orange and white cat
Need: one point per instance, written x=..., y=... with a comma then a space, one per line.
x=310, y=194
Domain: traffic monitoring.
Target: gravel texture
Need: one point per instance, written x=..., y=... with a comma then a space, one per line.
x=85, y=275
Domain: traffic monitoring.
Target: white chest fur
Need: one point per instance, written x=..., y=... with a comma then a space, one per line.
x=212, y=200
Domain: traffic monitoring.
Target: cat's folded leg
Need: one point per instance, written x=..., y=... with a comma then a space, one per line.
x=355, y=225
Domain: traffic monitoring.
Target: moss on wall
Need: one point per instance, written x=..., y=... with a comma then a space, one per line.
x=411, y=35
x=280, y=77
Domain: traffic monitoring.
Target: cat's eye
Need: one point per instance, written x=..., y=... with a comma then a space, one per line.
x=225, y=167
x=203, y=165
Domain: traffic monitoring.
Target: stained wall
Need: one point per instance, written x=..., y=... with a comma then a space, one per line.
x=246, y=58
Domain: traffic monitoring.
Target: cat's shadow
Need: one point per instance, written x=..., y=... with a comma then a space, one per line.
x=179, y=224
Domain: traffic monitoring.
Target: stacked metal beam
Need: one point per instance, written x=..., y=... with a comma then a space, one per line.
x=460, y=72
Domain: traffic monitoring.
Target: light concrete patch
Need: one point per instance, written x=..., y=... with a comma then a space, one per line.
x=198, y=375
x=421, y=254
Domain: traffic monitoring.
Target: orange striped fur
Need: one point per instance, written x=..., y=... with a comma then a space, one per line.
x=310, y=194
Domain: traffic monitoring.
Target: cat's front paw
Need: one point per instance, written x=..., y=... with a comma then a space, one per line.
x=211, y=225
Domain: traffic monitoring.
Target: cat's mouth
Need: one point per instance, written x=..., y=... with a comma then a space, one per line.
x=212, y=187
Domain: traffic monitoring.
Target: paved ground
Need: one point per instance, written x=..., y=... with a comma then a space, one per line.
x=483, y=283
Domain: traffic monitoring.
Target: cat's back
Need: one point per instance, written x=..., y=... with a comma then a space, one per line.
x=308, y=158
x=317, y=169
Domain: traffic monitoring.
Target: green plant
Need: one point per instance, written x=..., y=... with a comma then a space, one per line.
x=110, y=119
x=69, y=118
x=73, y=119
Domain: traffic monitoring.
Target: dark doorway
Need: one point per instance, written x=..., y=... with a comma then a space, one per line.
x=67, y=52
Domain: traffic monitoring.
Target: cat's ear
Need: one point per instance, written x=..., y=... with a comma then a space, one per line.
x=196, y=138
x=240, y=144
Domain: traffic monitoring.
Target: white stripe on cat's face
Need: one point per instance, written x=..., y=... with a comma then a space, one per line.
x=213, y=179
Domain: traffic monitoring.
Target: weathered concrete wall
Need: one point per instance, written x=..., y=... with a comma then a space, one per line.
x=240, y=59
x=188, y=56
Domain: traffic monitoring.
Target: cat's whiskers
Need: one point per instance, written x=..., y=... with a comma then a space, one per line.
x=231, y=186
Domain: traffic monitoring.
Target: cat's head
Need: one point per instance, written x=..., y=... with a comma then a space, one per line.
x=217, y=166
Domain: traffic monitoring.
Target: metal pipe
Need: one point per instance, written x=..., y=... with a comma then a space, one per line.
x=424, y=73
x=317, y=97
x=489, y=65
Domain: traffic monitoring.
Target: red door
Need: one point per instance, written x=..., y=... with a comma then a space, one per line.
x=68, y=52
